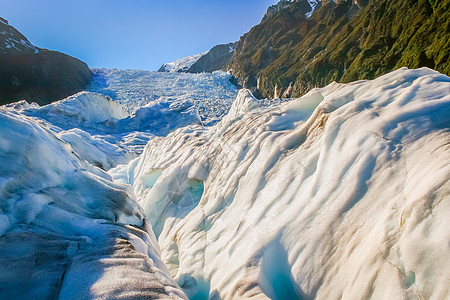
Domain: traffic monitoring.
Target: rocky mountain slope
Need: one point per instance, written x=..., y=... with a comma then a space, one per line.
x=34, y=74
x=288, y=53
x=215, y=59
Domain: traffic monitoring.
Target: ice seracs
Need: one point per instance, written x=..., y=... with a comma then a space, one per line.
x=113, y=127
x=82, y=109
x=343, y=193
x=212, y=93
x=243, y=103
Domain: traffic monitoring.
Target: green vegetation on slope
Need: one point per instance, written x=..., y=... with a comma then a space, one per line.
x=343, y=43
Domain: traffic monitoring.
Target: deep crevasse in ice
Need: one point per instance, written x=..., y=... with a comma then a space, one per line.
x=343, y=193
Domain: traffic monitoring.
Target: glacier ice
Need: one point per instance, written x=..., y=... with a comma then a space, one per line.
x=343, y=193
x=66, y=230
x=135, y=106
x=112, y=129
x=212, y=93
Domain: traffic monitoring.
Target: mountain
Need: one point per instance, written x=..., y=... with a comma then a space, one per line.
x=34, y=74
x=213, y=60
x=182, y=64
x=288, y=53
x=305, y=6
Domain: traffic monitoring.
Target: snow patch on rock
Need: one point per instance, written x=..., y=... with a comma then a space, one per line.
x=182, y=64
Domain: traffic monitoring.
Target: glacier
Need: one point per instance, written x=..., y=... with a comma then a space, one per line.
x=112, y=122
x=66, y=230
x=211, y=93
x=212, y=193
x=343, y=193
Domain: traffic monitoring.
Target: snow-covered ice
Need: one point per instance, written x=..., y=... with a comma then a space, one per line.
x=343, y=193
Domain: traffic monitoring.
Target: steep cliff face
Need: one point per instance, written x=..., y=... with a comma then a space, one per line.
x=33, y=74
x=288, y=53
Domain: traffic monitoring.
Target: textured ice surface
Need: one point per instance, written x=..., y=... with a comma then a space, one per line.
x=66, y=230
x=102, y=131
x=343, y=193
x=211, y=93
x=83, y=108
x=89, y=123
x=113, y=128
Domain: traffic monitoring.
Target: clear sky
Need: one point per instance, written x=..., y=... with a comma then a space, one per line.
x=133, y=34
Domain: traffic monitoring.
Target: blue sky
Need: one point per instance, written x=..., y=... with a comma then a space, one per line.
x=135, y=34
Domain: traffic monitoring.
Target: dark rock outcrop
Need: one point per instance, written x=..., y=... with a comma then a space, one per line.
x=214, y=60
x=36, y=75
x=162, y=68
